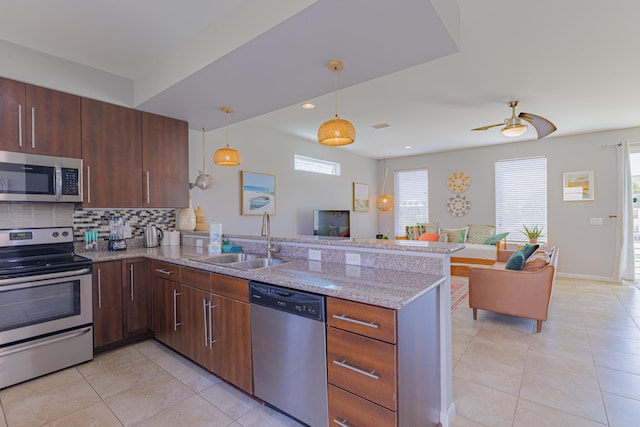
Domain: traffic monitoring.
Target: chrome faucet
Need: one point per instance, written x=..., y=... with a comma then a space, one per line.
x=266, y=231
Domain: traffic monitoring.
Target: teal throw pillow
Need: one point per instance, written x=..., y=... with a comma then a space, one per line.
x=493, y=240
x=529, y=249
x=516, y=261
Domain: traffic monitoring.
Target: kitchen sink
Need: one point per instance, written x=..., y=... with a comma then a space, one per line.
x=252, y=264
x=229, y=258
x=243, y=261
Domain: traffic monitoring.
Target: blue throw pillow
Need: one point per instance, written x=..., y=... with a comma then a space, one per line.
x=493, y=240
x=529, y=249
x=516, y=261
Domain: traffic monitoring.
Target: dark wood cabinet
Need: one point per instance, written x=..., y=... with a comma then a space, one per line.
x=107, y=303
x=136, y=296
x=167, y=299
x=12, y=115
x=231, y=355
x=112, y=155
x=165, y=162
x=38, y=120
x=53, y=123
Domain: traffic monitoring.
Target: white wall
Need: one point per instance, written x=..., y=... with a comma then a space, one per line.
x=297, y=193
x=585, y=250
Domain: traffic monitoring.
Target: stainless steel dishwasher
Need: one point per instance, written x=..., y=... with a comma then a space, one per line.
x=288, y=339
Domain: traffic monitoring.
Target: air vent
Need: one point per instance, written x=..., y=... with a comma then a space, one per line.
x=381, y=126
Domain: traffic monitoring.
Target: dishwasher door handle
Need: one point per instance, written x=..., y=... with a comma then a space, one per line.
x=343, y=363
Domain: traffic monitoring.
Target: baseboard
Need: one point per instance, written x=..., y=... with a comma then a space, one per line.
x=587, y=277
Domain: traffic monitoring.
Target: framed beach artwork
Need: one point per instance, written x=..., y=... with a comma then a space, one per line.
x=258, y=193
x=577, y=186
x=360, y=197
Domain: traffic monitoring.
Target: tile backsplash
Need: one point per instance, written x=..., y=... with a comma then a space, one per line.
x=32, y=215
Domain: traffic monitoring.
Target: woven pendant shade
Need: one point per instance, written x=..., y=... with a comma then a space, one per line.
x=336, y=132
x=227, y=156
x=384, y=202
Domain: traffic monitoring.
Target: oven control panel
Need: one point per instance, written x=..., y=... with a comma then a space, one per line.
x=35, y=236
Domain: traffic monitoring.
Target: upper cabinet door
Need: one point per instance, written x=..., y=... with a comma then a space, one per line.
x=112, y=155
x=12, y=115
x=165, y=162
x=53, y=124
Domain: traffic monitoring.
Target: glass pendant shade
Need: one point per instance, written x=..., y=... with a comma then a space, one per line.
x=227, y=156
x=336, y=132
x=384, y=202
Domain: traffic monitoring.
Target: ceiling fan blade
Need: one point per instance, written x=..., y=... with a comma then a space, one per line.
x=543, y=126
x=488, y=127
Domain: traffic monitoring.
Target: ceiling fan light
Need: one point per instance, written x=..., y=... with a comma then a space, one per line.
x=336, y=132
x=384, y=202
x=514, y=130
x=227, y=156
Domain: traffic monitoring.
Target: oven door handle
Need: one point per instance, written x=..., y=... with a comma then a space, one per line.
x=26, y=281
x=40, y=343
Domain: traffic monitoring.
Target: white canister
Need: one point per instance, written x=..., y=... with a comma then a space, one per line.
x=174, y=238
x=215, y=238
x=165, y=238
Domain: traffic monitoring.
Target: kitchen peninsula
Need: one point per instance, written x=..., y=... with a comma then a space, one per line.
x=406, y=284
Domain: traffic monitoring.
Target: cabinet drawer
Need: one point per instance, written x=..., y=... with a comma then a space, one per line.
x=166, y=270
x=351, y=410
x=363, y=319
x=195, y=278
x=363, y=366
x=230, y=287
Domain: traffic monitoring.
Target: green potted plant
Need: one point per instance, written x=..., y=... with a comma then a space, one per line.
x=533, y=233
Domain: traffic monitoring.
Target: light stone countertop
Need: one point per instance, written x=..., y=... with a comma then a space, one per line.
x=385, y=288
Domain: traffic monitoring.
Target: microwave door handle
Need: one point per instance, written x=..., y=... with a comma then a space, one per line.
x=57, y=181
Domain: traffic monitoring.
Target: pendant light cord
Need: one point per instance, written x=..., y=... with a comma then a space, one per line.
x=202, y=150
x=335, y=88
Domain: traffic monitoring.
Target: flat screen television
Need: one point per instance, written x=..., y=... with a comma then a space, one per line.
x=331, y=223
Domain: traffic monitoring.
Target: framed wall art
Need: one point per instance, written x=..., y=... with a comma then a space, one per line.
x=360, y=197
x=577, y=186
x=258, y=193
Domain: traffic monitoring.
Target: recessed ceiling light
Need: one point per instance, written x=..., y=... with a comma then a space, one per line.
x=406, y=147
x=308, y=106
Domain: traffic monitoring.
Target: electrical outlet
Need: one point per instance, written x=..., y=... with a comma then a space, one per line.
x=597, y=221
x=352, y=259
x=315, y=255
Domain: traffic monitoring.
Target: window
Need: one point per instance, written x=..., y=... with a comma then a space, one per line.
x=521, y=196
x=309, y=164
x=411, y=198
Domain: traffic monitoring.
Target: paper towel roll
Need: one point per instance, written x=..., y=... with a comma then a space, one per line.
x=174, y=238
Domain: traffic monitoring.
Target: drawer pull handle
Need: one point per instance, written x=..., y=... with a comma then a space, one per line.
x=344, y=364
x=159, y=270
x=359, y=322
x=342, y=423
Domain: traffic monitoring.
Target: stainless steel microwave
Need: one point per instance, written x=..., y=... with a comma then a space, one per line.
x=35, y=178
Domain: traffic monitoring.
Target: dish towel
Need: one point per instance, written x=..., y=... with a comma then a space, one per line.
x=230, y=247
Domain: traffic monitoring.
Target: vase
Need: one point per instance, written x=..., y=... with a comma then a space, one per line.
x=533, y=240
x=187, y=218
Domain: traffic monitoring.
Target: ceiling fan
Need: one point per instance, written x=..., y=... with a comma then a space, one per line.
x=516, y=126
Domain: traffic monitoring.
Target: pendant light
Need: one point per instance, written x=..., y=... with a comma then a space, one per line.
x=384, y=202
x=336, y=131
x=204, y=181
x=227, y=156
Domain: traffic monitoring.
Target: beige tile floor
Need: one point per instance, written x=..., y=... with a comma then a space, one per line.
x=582, y=370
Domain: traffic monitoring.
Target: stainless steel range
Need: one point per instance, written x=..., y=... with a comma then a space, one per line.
x=46, y=320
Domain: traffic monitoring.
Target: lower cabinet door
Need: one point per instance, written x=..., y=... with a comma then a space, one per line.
x=346, y=409
x=107, y=303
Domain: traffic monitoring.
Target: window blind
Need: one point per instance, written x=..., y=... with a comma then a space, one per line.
x=521, y=196
x=411, y=198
